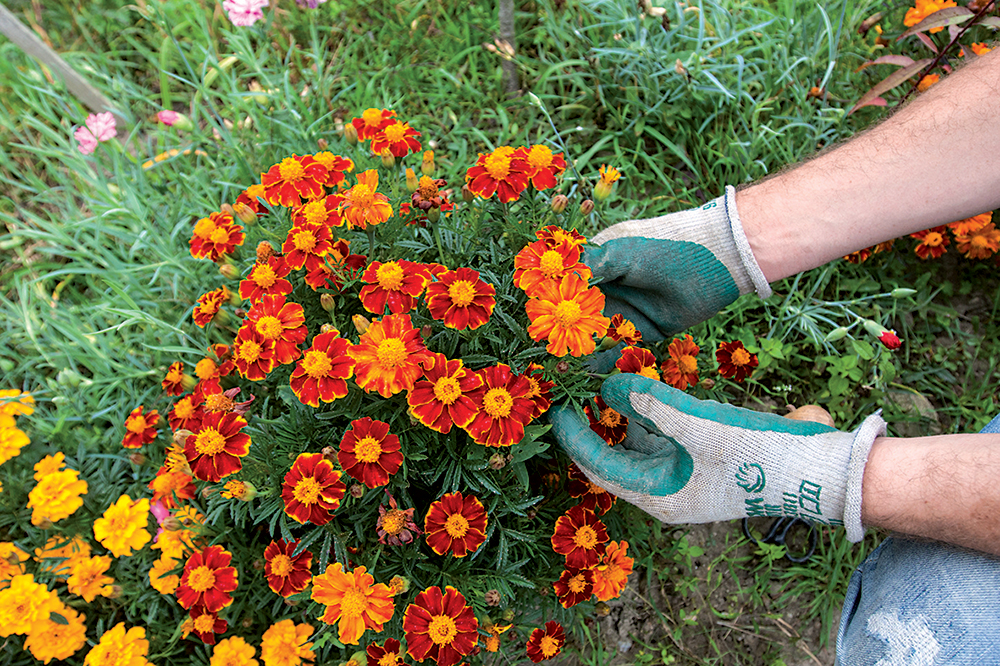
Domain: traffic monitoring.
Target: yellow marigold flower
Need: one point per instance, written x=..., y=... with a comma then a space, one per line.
x=608, y=177
x=48, y=640
x=24, y=602
x=59, y=554
x=159, y=578
x=233, y=652
x=12, y=440
x=284, y=644
x=923, y=9
x=14, y=403
x=122, y=528
x=174, y=543
x=11, y=559
x=58, y=495
x=120, y=648
x=49, y=465
x=87, y=577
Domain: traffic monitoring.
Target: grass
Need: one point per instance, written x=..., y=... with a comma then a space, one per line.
x=95, y=286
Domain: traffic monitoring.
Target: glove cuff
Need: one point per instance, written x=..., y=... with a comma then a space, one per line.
x=750, y=264
x=864, y=437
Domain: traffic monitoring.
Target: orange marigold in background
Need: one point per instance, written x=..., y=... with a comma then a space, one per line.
x=215, y=236
x=923, y=9
x=119, y=647
x=607, y=423
x=160, y=578
x=592, y=496
x=503, y=172
x=441, y=399
x=929, y=80
x=396, y=284
x=12, y=561
x=209, y=305
x=546, y=643
x=286, y=644
x=542, y=263
x=87, y=578
x=50, y=640
x=735, y=362
x=234, y=651
x=639, y=361
x=622, y=330
x=122, y=528
x=543, y=166
x=440, y=626
x=396, y=137
x=504, y=407
x=369, y=452
x=293, y=179
x=979, y=244
x=970, y=224
x=312, y=490
x=363, y=204
x=12, y=439
x=455, y=524
x=140, y=428
x=58, y=495
x=460, y=299
x=286, y=574
x=680, y=368
x=215, y=450
x=354, y=599
x=389, y=356
x=568, y=315
x=372, y=121
x=612, y=572
x=932, y=242
x=323, y=371
x=15, y=403
x=577, y=535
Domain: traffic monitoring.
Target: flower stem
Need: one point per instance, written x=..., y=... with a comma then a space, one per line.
x=371, y=242
x=437, y=240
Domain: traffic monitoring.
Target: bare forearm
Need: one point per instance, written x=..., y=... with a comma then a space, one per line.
x=935, y=161
x=945, y=488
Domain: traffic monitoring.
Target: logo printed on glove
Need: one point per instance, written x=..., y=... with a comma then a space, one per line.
x=750, y=477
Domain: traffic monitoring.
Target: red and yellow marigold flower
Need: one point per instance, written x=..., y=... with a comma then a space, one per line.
x=735, y=362
x=396, y=137
x=970, y=224
x=979, y=244
x=396, y=284
x=176, y=382
x=932, y=242
x=206, y=624
x=612, y=572
x=543, y=166
x=504, y=407
x=592, y=496
x=389, y=357
x=140, y=428
x=574, y=586
x=369, y=452
x=286, y=574
x=923, y=9
x=306, y=245
x=286, y=644
x=385, y=655
x=622, y=330
x=395, y=526
x=250, y=197
x=441, y=399
x=122, y=528
x=541, y=389
x=680, y=369
x=639, y=361
x=321, y=212
x=266, y=277
x=556, y=236
x=293, y=179
x=546, y=643
x=170, y=485
x=215, y=450
x=503, y=172
x=373, y=121
x=208, y=580
x=253, y=356
x=336, y=167
x=323, y=371
x=461, y=299
x=578, y=534
x=209, y=305
x=568, y=315
x=540, y=263
x=312, y=489
x=281, y=323
x=363, y=204
x=607, y=423
x=455, y=524
x=354, y=599
x=440, y=626
x=216, y=236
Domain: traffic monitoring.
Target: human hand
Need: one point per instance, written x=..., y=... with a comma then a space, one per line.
x=667, y=273
x=691, y=461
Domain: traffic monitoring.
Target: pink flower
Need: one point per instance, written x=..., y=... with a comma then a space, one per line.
x=168, y=118
x=98, y=127
x=244, y=12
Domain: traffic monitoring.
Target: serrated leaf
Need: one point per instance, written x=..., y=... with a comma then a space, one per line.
x=890, y=82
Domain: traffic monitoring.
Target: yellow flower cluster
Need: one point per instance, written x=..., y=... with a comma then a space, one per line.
x=53, y=630
x=58, y=494
x=12, y=440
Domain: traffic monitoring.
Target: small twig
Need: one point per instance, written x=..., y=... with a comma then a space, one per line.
x=808, y=652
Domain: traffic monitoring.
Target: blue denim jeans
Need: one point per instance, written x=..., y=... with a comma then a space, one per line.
x=918, y=603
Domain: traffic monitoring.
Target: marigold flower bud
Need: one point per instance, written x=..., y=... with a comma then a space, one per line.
x=328, y=328
x=358, y=658
x=433, y=215
x=531, y=513
x=707, y=383
x=181, y=436
x=227, y=209
x=245, y=213
x=188, y=382
x=587, y=207
x=258, y=564
x=493, y=597
x=601, y=609
x=508, y=615
x=873, y=327
x=45, y=524
x=246, y=622
x=497, y=461
x=412, y=182
x=291, y=602
x=326, y=302
x=388, y=159
x=264, y=252
x=229, y=271
x=467, y=195
x=350, y=134
x=322, y=144
x=329, y=453
x=559, y=203
x=360, y=324
x=171, y=524
x=602, y=190
x=115, y=592
x=902, y=292
x=562, y=367
x=207, y=492
x=357, y=491
x=137, y=458
x=426, y=330
x=399, y=585
x=427, y=165
x=836, y=334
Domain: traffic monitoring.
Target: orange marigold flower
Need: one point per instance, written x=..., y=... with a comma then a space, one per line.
x=12, y=561
x=206, y=624
x=979, y=244
x=389, y=356
x=568, y=315
x=208, y=306
x=680, y=369
x=396, y=137
x=322, y=372
x=503, y=172
x=373, y=121
x=504, y=407
x=306, y=245
x=215, y=449
x=639, y=361
x=622, y=329
x=461, y=299
x=215, y=236
x=592, y=496
x=369, y=452
x=336, y=167
x=542, y=166
x=59, y=552
x=286, y=644
x=122, y=527
x=860, y=256
x=312, y=489
x=324, y=212
x=363, y=204
x=397, y=284
x=385, y=655
x=577, y=535
x=252, y=354
x=970, y=224
x=169, y=485
x=574, y=586
x=541, y=389
x=735, y=362
x=266, y=277
x=293, y=179
x=978, y=48
x=929, y=80
x=932, y=242
x=607, y=423
x=87, y=578
x=441, y=398
x=160, y=578
x=208, y=580
x=555, y=236
x=612, y=572
x=547, y=643
x=175, y=380
x=354, y=599
x=286, y=574
x=609, y=175
x=281, y=323
x=455, y=524
x=14, y=403
x=140, y=428
x=440, y=626
x=541, y=263
x=395, y=526
x=923, y=9
x=120, y=647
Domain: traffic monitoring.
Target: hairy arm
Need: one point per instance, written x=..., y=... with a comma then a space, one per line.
x=935, y=161
x=942, y=488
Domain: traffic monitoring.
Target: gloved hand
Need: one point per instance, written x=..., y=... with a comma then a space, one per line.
x=667, y=273
x=691, y=461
